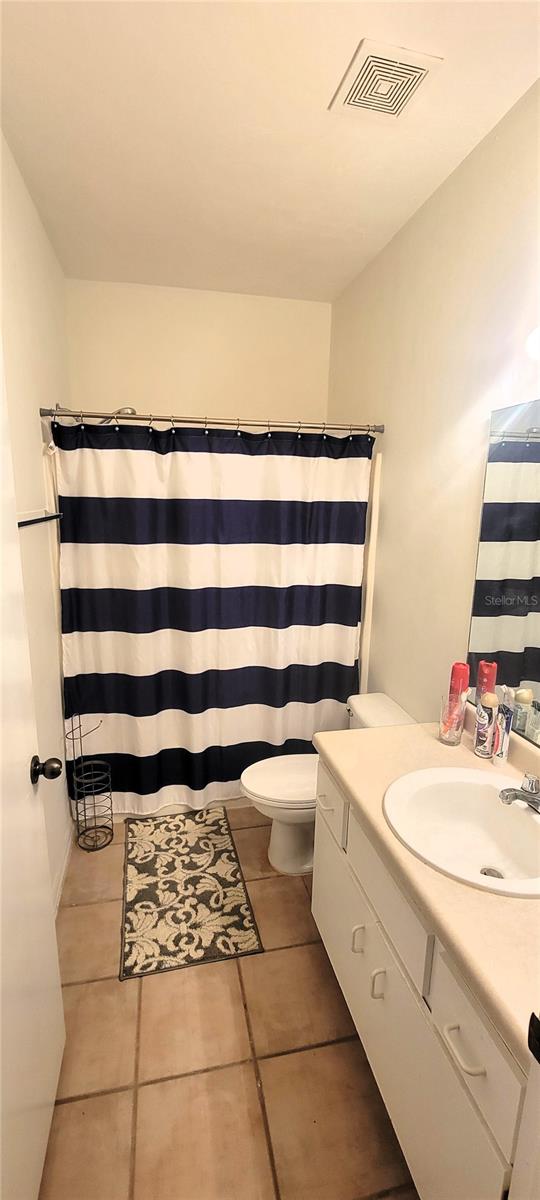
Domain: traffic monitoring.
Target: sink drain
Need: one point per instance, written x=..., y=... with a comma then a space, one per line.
x=492, y=872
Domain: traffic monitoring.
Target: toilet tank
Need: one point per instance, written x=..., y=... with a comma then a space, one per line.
x=372, y=710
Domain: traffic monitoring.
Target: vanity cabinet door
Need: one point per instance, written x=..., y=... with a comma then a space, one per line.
x=343, y=916
x=449, y=1151
x=332, y=804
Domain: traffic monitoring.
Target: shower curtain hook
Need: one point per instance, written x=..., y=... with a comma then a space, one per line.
x=298, y=434
x=206, y=426
x=81, y=419
x=173, y=426
x=324, y=429
x=150, y=430
x=350, y=433
x=269, y=434
x=238, y=434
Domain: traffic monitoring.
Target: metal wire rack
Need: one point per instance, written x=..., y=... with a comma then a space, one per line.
x=91, y=802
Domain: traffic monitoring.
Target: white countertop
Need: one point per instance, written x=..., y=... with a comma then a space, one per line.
x=494, y=939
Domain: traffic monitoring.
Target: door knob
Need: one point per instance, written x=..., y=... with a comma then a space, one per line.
x=50, y=769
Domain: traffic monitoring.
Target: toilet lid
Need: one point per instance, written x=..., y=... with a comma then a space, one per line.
x=288, y=779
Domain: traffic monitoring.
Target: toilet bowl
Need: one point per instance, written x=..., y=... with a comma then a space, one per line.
x=284, y=788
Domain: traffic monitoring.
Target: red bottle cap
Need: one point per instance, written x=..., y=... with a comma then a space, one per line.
x=459, y=678
x=487, y=676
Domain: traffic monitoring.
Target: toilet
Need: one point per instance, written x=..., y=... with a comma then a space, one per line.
x=284, y=788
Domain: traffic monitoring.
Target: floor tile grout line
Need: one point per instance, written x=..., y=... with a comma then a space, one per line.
x=153, y=974
x=259, y=1087
x=241, y=828
x=90, y=903
x=96, y=979
x=391, y=1193
x=143, y=1083
x=237, y=1062
x=133, y=1150
x=114, y=899
x=339, y=1041
x=112, y=1091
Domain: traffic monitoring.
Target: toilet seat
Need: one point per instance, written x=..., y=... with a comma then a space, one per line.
x=287, y=781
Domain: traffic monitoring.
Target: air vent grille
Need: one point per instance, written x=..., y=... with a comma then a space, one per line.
x=382, y=78
x=385, y=85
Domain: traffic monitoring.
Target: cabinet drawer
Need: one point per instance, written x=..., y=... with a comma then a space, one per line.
x=481, y=1060
x=447, y=1146
x=332, y=805
x=403, y=926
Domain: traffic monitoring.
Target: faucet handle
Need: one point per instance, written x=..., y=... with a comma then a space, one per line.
x=531, y=784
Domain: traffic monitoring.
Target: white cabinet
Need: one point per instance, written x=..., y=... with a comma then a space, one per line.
x=448, y=1150
x=342, y=913
x=451, y=1152
x=402, y=924
x=482, y=1061
x=332, y=804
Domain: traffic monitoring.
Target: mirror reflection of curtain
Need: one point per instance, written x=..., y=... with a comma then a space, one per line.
x=505, y=625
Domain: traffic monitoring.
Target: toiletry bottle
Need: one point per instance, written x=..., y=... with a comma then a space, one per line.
x=486, y=678
x=503, y=725
x=523, y=701
x=484, y=730
x=532, y=730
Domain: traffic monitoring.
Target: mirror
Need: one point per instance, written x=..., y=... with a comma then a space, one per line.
x=505, y=621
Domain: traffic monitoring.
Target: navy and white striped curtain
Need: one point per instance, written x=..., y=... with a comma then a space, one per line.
x=505, y=626
x=211, y=599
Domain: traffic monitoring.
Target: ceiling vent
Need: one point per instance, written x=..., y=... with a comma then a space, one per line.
x=382, y=78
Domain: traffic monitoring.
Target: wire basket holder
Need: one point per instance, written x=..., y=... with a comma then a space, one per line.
x=91, y=803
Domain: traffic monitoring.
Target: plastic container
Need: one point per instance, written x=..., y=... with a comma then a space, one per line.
x=486, y=724
x=522, y=708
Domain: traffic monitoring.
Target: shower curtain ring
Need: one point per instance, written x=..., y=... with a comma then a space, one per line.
x=173, y=426
x=150, y=430
x=206, y=426
x=81, y=419
x=238, y=427
x=298, y=434
x=269, y=434
x=350, y=433
x=324, y=429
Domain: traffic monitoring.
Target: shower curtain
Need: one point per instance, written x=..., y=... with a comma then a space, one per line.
x=505, y=626
x=211, y=598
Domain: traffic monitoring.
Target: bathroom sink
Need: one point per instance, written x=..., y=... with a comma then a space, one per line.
x=453, y=820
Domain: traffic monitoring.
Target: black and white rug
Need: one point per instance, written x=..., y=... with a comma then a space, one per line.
x=185, y=900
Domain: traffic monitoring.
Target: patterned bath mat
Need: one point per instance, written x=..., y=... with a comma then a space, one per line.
x=185, y=900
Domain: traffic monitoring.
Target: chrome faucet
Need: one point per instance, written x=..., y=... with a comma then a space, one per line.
x=529, y=792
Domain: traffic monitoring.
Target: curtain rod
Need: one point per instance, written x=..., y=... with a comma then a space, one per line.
x=175, y=420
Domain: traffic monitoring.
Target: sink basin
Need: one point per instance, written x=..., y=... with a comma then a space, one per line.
x=453, y=820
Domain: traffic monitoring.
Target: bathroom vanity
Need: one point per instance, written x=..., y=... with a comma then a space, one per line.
x=440, y=977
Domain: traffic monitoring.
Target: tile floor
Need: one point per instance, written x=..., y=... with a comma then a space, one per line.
x=240, y=1080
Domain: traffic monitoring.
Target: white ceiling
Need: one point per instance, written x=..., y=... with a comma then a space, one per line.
x=190, y=144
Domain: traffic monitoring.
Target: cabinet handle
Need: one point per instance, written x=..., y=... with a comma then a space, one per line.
x=324, y=807
x=374, y=975
x=357, y=949
x=463, y=1066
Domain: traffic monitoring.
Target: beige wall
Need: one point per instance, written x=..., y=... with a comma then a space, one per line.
x=33, y=337
x=429, y=339
x=171, y=350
